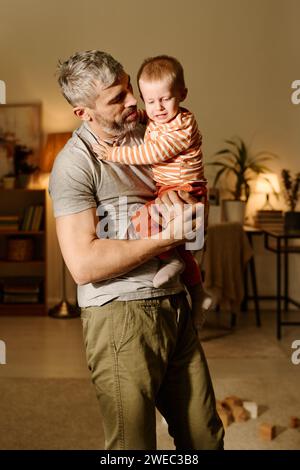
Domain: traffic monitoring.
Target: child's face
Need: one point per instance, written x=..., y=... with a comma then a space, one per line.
x=161, y=99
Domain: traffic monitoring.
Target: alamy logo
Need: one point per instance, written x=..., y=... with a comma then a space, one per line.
x=295, y=97
x=120, y=222
x=295, y=358
x=2, y=352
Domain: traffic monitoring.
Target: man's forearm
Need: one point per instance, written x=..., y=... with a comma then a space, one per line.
x=106, y=259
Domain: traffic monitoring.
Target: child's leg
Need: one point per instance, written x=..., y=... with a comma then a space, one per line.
x=172, y=265
x=201, y=301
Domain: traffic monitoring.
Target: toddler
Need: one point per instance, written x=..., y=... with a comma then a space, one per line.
x=173, y=149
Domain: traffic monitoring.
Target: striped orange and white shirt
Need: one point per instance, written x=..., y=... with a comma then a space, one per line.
x=173, y=150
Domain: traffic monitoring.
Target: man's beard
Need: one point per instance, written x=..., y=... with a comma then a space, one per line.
x=117, y=129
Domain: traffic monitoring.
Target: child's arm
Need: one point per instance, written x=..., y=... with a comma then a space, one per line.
x=165, y=147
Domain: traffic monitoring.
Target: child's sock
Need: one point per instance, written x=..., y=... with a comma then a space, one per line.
x=169, y=270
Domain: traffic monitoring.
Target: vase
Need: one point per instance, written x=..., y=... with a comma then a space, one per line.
x=292, y=221
x=233, y=211
x=23, y=180
x=9, y=182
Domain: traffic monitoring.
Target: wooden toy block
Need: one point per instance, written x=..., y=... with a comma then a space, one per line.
x=294, y=422
x=240, y=414
x=225, y=414
x=267, y=431
x=252, y=408
x=232, y=401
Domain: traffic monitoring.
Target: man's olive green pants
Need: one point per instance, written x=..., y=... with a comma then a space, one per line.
x=144, y=354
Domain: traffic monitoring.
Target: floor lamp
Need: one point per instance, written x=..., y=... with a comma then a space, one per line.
x=64, y=309
x=54, y=143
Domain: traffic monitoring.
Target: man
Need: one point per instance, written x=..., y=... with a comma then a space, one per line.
x=141, y=345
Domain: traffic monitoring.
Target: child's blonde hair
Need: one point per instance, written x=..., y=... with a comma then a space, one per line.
x=160, y=67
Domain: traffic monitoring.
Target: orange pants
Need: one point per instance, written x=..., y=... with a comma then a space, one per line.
x=146, y=226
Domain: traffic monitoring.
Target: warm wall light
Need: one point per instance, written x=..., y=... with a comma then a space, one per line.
x=54, y=143
x=267, y=183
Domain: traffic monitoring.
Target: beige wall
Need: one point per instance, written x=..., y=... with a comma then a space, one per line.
x=240, y=58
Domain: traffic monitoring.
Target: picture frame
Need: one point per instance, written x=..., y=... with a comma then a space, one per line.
x=20, y=128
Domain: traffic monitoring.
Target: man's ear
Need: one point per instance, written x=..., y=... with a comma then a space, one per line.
x=184, y=94
x=82, y=113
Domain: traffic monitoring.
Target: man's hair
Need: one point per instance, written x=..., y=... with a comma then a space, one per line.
x=160, y=67
x=79, y=76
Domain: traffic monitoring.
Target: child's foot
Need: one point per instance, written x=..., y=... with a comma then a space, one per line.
x=168, y=271
x=202, y=303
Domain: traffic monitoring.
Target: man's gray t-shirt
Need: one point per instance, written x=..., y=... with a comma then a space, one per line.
x=80, y=181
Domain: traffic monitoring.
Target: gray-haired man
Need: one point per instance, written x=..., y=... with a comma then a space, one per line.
x=141, y=345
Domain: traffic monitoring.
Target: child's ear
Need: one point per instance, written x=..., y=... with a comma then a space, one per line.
x=184, y=94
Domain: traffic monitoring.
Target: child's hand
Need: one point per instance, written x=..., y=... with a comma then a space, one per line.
x=102, y=150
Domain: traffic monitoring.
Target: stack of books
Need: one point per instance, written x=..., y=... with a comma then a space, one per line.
x=24, y=292
x=9, y=223
x=269, y=219
x=33, y=218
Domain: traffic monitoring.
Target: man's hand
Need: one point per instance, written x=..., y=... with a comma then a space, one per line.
x=178, y=213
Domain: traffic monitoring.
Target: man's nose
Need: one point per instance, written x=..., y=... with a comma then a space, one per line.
x=158, y=105
x=130, y=100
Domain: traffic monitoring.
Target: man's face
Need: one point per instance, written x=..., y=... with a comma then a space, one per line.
x=115, y=111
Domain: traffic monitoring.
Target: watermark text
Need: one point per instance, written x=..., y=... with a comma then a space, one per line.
x=2, y=352
x=295, y=97
x=295, y=358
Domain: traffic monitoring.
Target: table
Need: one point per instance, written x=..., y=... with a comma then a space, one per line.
x=251, y=232
x=278, y=243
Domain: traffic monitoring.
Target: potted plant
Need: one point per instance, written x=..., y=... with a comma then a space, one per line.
x=23, y=169
x=237, y=161
x=291, y=192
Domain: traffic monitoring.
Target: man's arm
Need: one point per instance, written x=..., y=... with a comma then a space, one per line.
x=90, y=259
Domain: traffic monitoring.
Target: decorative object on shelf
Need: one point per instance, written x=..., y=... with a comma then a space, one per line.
x=64, y=309
x=19, y=249
x=267, y=184
x=23, y=168
x=9, y=181
x=237, y=161
x=54, y=143
x=291, y=191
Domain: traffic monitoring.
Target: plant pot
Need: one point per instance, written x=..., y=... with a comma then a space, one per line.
x=292, y=221
x=23, y=180
x=9, y=182
x=233, y=211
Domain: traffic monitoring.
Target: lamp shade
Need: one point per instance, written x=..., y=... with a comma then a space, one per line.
x=54, y=143
x=267, y=183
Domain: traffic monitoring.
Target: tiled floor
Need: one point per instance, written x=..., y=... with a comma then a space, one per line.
x=247, y=360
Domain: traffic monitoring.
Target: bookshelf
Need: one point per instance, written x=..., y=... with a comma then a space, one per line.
x=23, y=260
